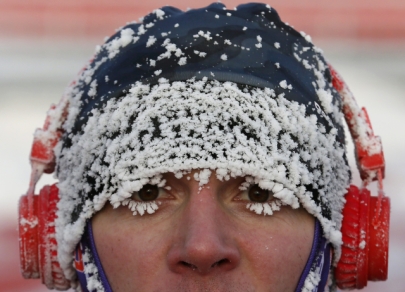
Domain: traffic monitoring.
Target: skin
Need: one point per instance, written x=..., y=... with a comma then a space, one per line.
x=203, y=240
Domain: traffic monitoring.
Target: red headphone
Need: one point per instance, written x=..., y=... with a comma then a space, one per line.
x=365, y=225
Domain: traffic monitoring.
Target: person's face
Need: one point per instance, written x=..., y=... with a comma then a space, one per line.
x=203, y=240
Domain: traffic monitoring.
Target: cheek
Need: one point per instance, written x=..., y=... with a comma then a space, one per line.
x=130, y=252
x=277, y=254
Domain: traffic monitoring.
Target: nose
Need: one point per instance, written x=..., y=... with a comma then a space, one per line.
x=202, y=241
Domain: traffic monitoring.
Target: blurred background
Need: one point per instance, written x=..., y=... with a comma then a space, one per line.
x=43, y=44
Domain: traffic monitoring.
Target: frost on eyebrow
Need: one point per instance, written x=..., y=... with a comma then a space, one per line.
x=202, y=177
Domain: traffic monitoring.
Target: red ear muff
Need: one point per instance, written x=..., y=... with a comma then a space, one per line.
x=365, y=230
x=365, y=225
x=38, y=252
x=37, y=213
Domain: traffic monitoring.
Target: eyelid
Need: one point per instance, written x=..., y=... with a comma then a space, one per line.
x=245, y=194
x=164, y=193
x=137, y=206
x=261, y=208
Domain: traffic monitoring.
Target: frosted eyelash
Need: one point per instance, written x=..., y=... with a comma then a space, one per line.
x=267, y=208
x=141, y=207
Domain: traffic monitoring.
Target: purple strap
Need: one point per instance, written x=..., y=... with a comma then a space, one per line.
x=319, y=261
x=88, y=241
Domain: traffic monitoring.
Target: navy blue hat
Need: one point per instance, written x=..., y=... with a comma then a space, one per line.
x=249, y=46
x=238, y=92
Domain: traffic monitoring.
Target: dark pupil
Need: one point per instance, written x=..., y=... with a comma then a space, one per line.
x=257, y=194
x=148, y=193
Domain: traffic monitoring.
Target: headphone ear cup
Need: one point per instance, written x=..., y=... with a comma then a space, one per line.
x=379, y=239
x=365, y=245
x=351, y=270
x=28, y=238
x=40, y=241
x=51, y=273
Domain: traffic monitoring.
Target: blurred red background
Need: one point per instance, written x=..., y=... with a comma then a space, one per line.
x=358, y=19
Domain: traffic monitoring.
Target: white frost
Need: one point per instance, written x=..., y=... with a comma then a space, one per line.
x=151, y=41
x=182, y=61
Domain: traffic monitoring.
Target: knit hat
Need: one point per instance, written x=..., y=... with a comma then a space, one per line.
x=235, y=92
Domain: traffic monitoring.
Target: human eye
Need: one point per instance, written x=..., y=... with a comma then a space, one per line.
x=148, y=193
x=258, y=195
x=260, y=201
x=145, y=200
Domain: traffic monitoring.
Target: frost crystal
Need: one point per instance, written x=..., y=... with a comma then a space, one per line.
x=259, y=39
x=306, y=36
x=94, y=282
x=159, y=13
x=182, y=61
x=151, y=41
x=206, y=35
x=283, y=84
x=141, y=30
x=93, y=89
x=125, y=38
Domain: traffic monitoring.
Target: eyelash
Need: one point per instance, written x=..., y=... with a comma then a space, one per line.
x=267, y=208
x=140, y=207
x=150, y=207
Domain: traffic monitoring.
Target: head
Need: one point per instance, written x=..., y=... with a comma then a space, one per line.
x=203, y=150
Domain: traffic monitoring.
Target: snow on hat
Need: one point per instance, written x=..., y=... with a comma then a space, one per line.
x=237, y=92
